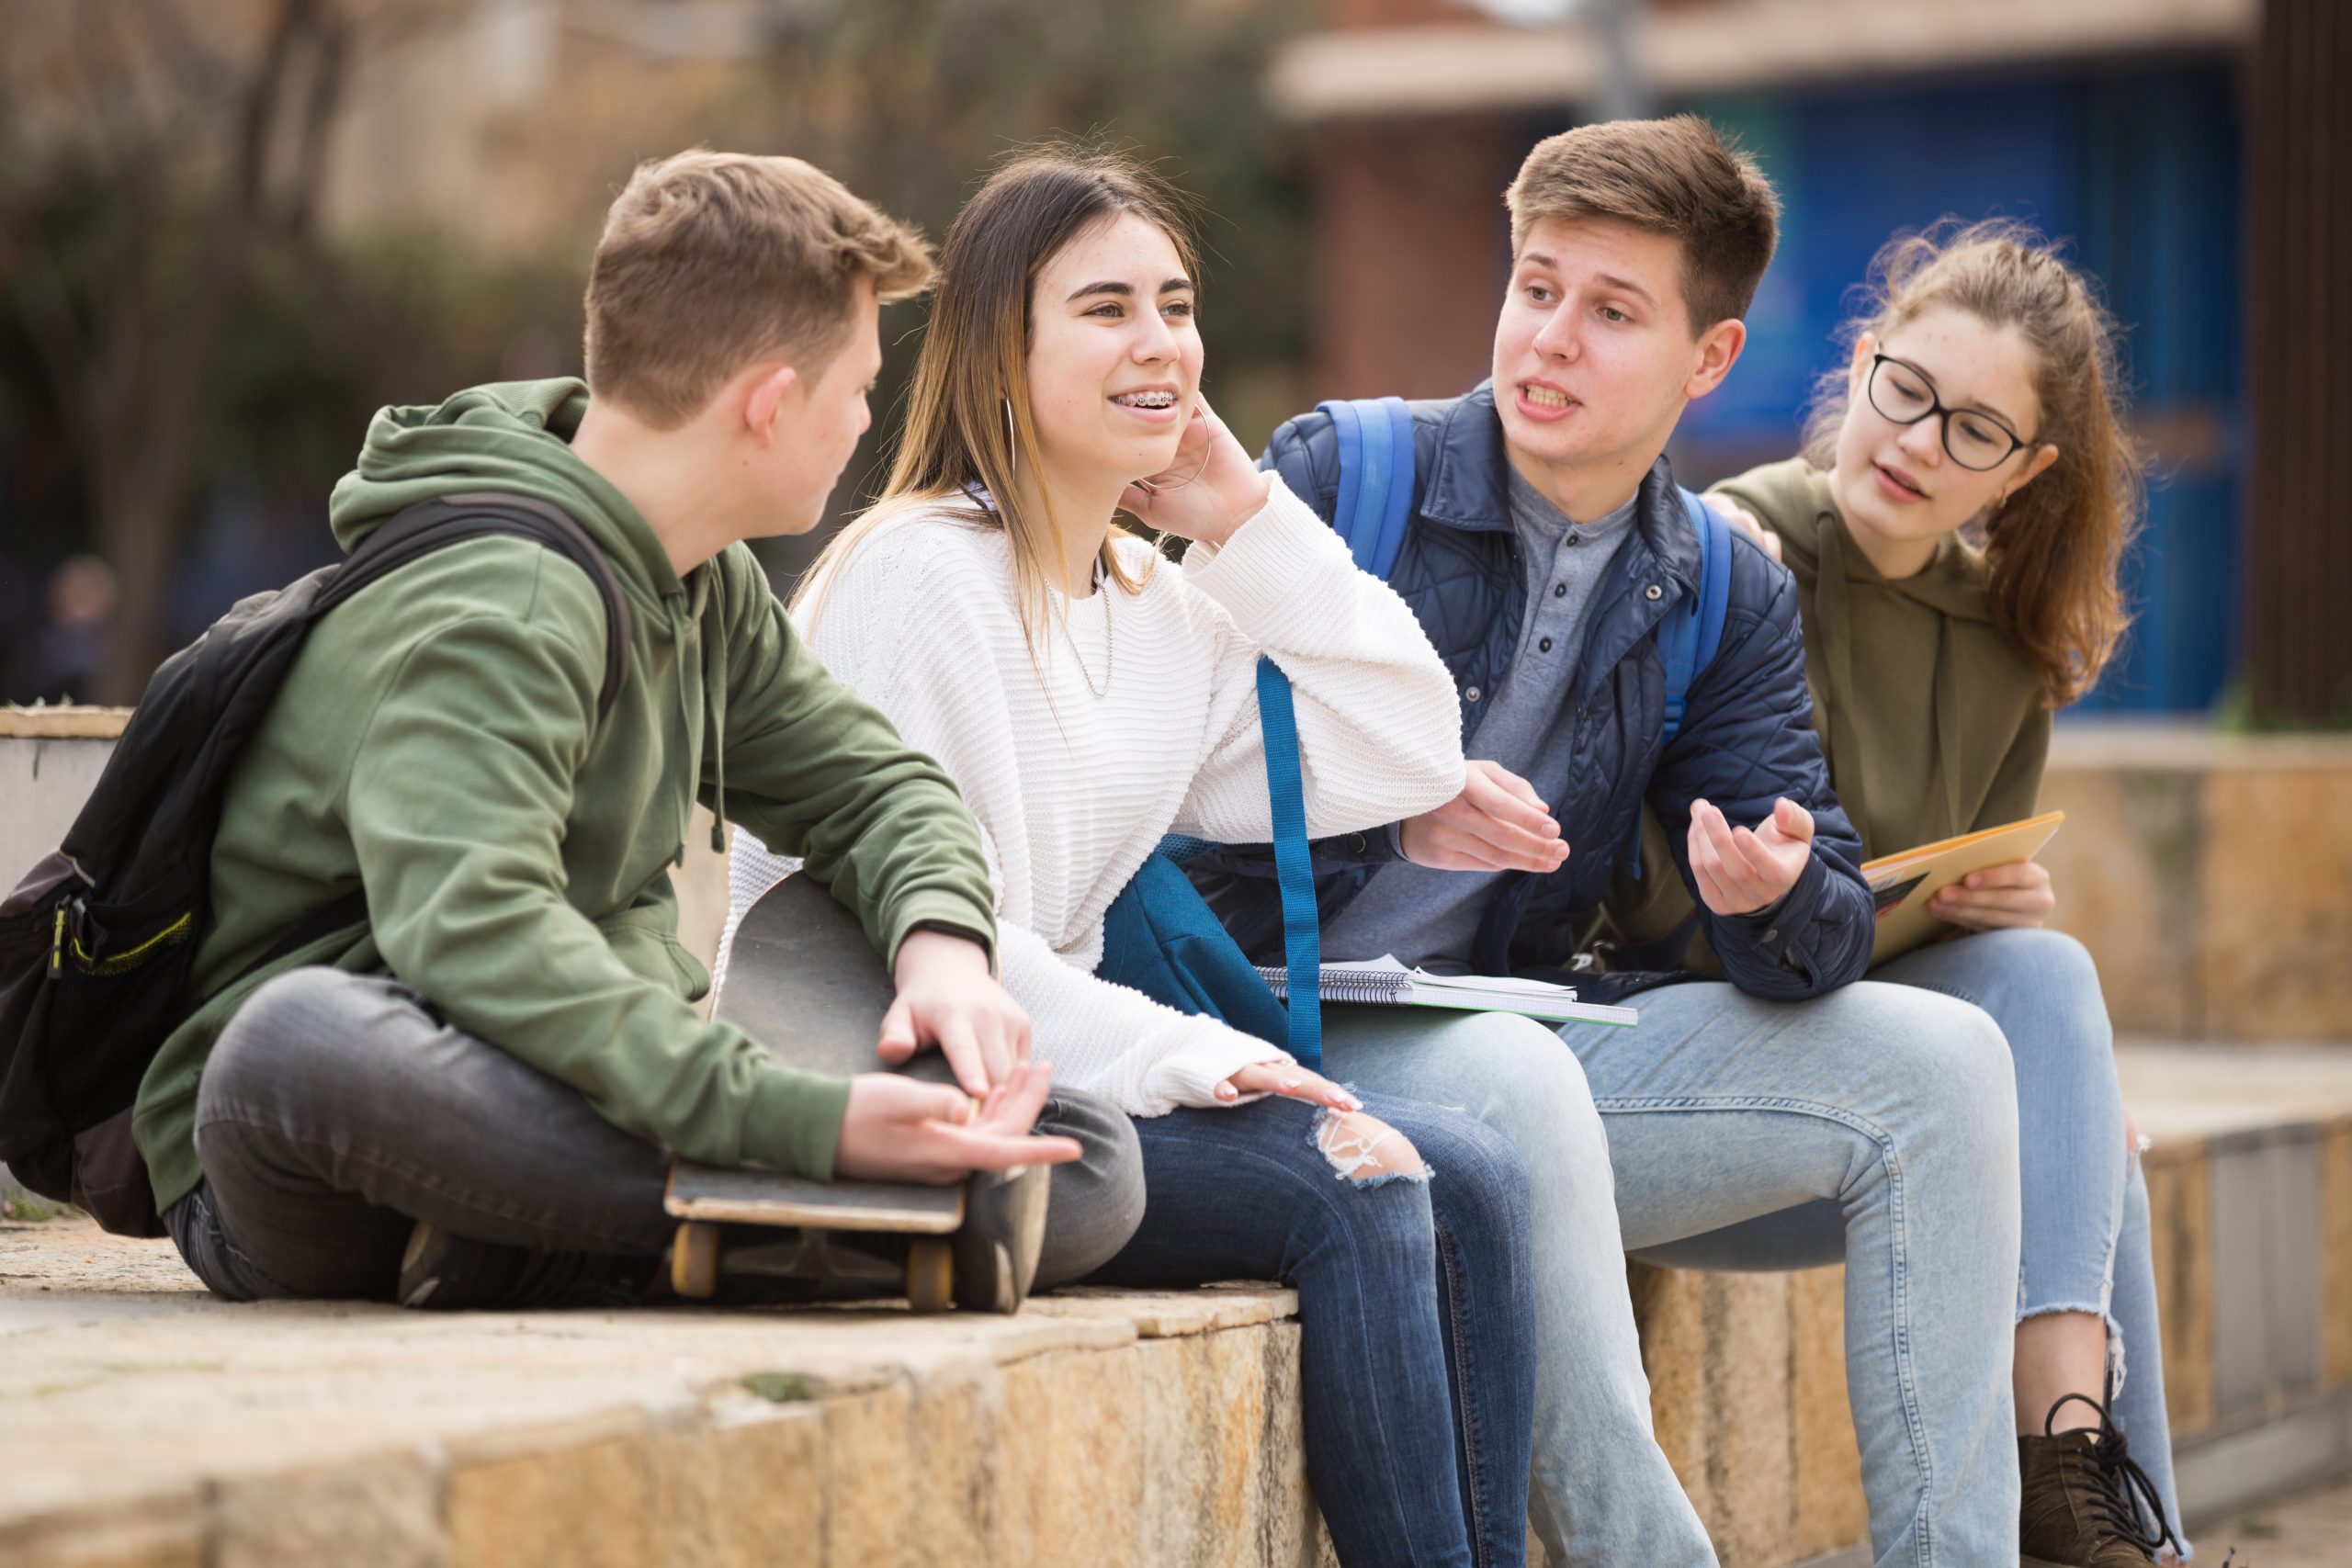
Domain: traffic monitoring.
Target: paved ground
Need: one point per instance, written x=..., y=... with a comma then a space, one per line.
x=2314, y=1531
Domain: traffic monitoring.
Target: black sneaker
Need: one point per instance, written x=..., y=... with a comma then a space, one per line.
x=443, y=1272
x=2084, y=1498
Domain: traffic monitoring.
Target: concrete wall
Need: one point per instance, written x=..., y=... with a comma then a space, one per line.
x=44, y=781
x=2211, y=876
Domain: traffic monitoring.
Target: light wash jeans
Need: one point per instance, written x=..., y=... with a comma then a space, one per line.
x=1727, y=1118
x=2086, y=1201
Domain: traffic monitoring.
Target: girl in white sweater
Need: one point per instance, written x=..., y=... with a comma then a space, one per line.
x=1089, y=697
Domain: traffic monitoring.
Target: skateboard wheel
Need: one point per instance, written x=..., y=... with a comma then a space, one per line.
x=931, y=1274
x=693, y=1260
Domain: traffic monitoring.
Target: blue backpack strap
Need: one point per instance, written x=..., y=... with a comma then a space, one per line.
x=1375, y=497
x=1687, y=638
x=1691, y=632
x=1301, y=939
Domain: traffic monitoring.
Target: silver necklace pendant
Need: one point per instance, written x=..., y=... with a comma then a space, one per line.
x=1110, y=649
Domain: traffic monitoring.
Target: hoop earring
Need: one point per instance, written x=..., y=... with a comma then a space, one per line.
x=1011, y=441
x=1150, y=489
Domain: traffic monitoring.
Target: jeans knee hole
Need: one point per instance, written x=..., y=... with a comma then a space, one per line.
x=1364, y=1151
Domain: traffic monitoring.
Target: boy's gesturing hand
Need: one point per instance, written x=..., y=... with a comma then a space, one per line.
x=948, y=998
x=1497, y=823
x=898, y=1129
x=1739, y=871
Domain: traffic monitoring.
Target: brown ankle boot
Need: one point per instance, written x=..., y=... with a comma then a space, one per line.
x=2083, y=1497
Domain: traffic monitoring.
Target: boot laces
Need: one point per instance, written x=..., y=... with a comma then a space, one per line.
x=2124, y=1489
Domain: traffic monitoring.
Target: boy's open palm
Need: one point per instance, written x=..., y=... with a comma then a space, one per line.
x=1742, y=870
x=898, y=1129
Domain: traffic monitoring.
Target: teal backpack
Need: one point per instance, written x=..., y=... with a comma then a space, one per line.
x=1159, y=936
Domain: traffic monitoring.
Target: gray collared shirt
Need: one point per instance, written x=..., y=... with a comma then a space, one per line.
x=1430, y=918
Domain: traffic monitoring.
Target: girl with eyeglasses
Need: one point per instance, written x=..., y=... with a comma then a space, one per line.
x=1955, y=525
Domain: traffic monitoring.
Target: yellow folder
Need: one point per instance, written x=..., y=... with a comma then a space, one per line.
x=1901, y=884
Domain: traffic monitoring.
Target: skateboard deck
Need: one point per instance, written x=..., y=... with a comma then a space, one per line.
x=803, y=981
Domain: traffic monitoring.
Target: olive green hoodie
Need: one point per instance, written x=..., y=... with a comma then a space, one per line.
x=1932, y=721
x=437, y=742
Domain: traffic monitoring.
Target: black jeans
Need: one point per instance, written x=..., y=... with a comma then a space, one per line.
x=337, y=1111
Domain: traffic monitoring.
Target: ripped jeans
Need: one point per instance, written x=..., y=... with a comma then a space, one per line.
x=1415, y=1304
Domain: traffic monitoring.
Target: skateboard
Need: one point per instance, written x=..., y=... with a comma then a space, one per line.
x=804, y=982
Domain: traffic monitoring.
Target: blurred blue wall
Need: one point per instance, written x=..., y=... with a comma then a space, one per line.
x=2139, y=168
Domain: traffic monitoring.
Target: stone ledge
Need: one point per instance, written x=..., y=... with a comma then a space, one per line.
x=143, y=1423
x=149, y=1423
x=69, y=723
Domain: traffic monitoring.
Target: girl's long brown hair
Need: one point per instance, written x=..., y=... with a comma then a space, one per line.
x=975, y=359
x=2052, y=552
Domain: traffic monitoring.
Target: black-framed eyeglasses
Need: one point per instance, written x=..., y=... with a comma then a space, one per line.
x=1903, y=394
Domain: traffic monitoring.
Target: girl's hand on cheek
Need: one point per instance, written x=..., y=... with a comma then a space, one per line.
x=1998, y=896
x=1209, y=490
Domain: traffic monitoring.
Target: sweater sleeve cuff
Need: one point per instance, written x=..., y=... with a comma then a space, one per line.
x=1257, y=573
x=794, y=1122
x=1189, y=1075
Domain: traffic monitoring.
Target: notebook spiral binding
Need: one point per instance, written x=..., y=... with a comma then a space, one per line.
x=1369, y=987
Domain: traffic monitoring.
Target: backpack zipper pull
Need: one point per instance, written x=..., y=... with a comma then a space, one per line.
x=57, y=945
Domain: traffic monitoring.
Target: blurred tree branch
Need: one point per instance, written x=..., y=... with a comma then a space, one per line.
x=159, y=144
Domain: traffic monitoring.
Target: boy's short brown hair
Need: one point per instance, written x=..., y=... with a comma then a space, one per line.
x=711, y=260
x=1677, y=177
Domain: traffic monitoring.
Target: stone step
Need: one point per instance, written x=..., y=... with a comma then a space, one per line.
x=148, y=1424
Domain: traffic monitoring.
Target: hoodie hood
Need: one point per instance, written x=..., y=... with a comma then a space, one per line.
x=511, y=435
x=1796, y=493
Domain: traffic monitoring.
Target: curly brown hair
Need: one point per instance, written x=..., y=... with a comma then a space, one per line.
x=2053, y=550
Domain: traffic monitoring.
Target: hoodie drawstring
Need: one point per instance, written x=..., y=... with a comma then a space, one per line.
x=714, y=696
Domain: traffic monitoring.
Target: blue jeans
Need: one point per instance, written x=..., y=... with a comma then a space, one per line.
x=1603, y=1491
x=2086, y=1202
x=1876, y=1125
x=1417, y=1345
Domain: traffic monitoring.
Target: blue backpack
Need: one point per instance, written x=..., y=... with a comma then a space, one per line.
x=1159, y=936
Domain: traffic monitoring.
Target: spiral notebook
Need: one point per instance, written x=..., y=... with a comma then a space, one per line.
x=1386, y=982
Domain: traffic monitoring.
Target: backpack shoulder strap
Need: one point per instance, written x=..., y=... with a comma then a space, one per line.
x=1293, y=870
x=1690, y=633
x=1693, y=631
x=435, y=524
x=1376, y=461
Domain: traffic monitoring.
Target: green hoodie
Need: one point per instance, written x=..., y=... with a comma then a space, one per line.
x=437, y=742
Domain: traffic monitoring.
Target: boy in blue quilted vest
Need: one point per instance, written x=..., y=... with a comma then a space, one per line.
x=1780, y=1118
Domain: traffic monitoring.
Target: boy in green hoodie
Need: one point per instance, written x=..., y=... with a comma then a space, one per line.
x=465, y=1100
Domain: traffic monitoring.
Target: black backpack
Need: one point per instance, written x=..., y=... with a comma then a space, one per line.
x=97, y=940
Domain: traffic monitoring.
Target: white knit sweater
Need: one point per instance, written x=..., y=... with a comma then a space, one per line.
x=1073, y=791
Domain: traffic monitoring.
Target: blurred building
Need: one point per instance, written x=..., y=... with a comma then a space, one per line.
x=2134, y=128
